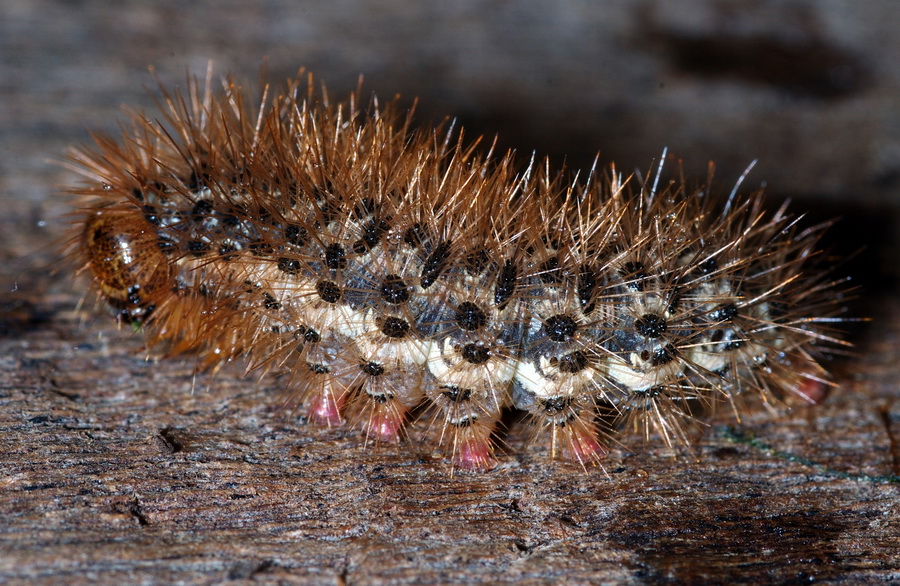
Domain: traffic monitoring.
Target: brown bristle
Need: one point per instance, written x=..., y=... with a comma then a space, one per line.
x=394, y=272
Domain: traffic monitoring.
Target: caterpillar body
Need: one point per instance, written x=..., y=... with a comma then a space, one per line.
x=395, y=273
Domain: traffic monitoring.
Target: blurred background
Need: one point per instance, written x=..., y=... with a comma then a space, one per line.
x=810, y=89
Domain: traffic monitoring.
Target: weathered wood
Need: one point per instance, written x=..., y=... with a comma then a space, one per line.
x=130, y=470
x=118, y=469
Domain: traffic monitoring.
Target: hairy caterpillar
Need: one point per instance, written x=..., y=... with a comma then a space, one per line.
x=394, y=272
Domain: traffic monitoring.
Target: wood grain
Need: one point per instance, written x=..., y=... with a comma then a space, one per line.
x=118, y=469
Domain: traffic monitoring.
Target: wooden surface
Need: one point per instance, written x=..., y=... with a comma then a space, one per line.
x=118, y=469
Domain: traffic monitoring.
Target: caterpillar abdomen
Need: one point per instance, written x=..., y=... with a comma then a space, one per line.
x=392, y=271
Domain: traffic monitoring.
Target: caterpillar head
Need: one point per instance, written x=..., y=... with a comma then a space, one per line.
x=127, y=262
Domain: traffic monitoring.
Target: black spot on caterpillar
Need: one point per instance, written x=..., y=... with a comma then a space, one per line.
x=393, y=271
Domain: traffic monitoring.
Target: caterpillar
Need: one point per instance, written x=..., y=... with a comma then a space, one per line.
x=397, y=273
